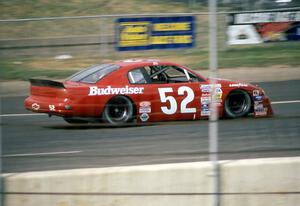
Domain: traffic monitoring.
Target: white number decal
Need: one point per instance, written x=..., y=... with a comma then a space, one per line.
x=190, y=97
x=173, y=104
x=52, y=107
x=164, y=99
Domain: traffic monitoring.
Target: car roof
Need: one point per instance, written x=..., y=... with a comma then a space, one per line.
x=141, y=62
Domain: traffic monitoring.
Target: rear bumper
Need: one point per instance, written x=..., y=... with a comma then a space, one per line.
x=53, y=106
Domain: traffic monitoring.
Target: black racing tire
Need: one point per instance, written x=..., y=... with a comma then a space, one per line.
x=71, y=120
x=119, y=110
x=237, y=104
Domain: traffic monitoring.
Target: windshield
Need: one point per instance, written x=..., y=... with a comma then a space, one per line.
x=94, y=73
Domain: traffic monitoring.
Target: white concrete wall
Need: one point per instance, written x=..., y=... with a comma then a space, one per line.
x=242, y=176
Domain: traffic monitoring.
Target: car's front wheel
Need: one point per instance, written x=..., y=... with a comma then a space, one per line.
x=237, y=104
x=119, y=110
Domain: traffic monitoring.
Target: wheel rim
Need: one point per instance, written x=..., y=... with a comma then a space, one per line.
x=118, y=111
x=237, y=103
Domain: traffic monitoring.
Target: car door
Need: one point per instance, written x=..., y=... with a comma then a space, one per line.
x=171, y=93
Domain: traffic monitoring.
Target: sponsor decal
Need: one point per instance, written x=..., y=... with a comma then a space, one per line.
x=208, y=88
x=238, y=85
x=52, y=107
x=145, y=110
x=145, y=107
x=205, y=88
x=118, y=90
x=261, y=112
x=218, y=98
x=144, y=117
x=205, y=99
x=257, y=102
x=205, y=107
x=205, y=113
x=258, y=98
x=259, y=109
x=255, y=93
x=218, y=90
x=258, y=106
x=145, y=104
x=35, y=106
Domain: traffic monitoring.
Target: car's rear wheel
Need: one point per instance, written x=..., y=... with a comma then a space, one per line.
x=119, y=110
x=237, y=104
x=75, y=121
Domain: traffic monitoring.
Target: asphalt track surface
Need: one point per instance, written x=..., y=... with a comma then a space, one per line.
x=38, y=143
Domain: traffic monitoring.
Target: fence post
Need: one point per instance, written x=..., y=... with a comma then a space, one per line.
x=213, y=118
x=103, y=37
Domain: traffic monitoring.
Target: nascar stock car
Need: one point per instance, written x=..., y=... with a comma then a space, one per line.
x=143, y=91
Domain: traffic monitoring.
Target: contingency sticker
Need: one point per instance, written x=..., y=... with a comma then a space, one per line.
x=258, y=98
x=145, y=107
x=205, y=99
x=208, y=87
x=144, y=117
x=259, y=109
x=255, y=93
x=206, y=90
x=35, y=106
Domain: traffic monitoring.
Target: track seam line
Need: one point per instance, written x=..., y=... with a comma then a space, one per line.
x=40, y=154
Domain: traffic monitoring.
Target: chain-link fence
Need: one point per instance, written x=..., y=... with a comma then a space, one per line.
x=86, y=36
x=95, y=37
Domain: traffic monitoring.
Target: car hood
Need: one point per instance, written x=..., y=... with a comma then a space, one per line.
x=233, y=83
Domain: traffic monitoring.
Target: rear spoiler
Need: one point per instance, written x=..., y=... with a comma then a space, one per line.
x=46, y=83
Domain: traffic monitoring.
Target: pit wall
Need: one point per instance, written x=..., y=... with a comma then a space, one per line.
x=255, y=182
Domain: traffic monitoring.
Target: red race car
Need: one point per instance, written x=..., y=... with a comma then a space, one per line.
x=145, y=91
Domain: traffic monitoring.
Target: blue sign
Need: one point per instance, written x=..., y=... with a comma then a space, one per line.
x=293, y=34
x=155, y=33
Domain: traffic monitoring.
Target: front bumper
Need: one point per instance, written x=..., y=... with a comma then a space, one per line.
x=262, y=107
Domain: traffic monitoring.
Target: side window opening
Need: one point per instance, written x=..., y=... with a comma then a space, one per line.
x=93, y=74
x=136, y=76
x=162, y=74
x=195, y=78
x=167, y=74
x=177, y=74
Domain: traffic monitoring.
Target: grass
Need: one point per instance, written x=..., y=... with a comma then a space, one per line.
x=13, y=9
x=284, y=53
x=18, y=9
x=11, y=70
